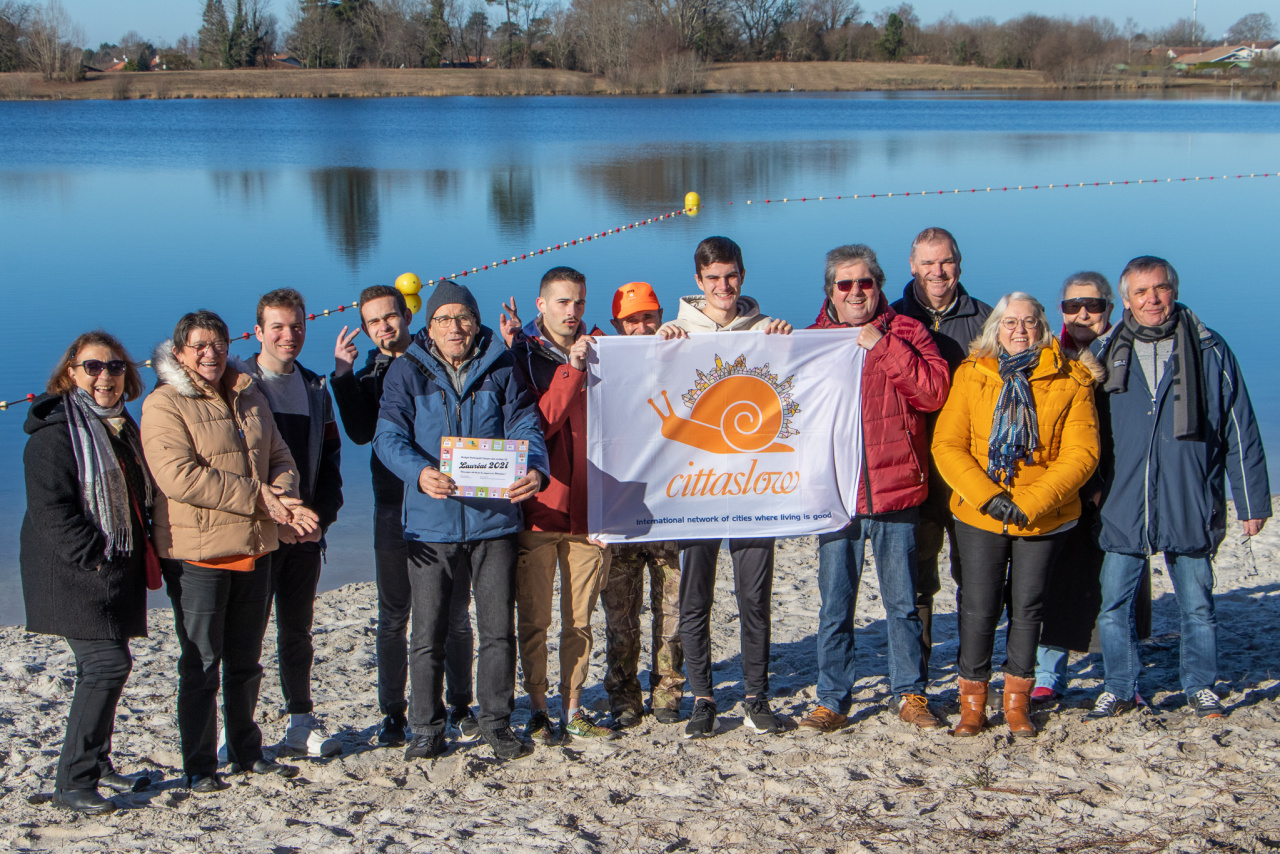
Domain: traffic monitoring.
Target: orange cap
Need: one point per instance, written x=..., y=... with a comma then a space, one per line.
x=633, y=297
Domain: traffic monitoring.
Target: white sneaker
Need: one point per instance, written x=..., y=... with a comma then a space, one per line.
x=309, y=738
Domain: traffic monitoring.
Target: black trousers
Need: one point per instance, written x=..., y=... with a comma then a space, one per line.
x=989, y=562
x=102, y=667
x=220, y=616
x=753, y=584
x=435, y=571
x=395, y=603
x=936, y=524
x=295, y=576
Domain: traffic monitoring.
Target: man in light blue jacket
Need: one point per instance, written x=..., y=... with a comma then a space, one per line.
x=458, y=379
x=1176, y=424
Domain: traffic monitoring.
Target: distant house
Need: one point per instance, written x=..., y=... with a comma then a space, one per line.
x=469, y=62
x=118, y=65
x=283, y=60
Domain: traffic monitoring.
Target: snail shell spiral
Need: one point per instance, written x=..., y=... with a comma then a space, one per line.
x=746, y=410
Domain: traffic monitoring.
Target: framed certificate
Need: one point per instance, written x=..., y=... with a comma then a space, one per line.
x=483, y=468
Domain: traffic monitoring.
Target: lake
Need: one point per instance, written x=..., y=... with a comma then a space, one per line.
x=127, y=214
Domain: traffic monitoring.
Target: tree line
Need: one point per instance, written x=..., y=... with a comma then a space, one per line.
x=667, y=40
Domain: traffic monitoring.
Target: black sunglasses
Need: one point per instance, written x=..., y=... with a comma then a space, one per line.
x=93, y=367
x=1096, y=305
x=864, y=284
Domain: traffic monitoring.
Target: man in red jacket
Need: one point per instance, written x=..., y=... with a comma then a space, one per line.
x=903, y=377
x=551, y=352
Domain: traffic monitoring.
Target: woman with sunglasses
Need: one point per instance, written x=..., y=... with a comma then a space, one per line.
x=83, y=549
x=1016, y=439
x=1075, y=588
x=226, y=480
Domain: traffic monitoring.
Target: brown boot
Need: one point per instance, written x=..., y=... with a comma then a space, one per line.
x=1017, y=705
x=973, y=708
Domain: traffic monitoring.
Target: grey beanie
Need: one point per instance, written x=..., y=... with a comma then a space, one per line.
x=448, y=292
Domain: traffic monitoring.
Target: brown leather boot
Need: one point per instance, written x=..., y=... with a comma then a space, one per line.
x=973, y=708
x=1017, y=705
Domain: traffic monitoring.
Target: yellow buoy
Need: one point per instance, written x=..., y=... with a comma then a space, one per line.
x=408, y=283
x=692, y=201
x=414, y=302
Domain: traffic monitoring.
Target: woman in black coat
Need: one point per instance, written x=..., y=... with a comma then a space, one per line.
x=83, y=549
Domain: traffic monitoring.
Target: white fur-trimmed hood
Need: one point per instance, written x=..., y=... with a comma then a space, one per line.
x=171, y=372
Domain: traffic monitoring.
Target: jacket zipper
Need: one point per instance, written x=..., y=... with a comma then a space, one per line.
x=866, y=479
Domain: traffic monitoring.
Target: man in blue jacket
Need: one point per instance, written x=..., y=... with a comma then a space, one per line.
x=458, y=379
x=1176, y=424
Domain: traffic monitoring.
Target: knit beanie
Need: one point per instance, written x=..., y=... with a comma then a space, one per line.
x=448, y=292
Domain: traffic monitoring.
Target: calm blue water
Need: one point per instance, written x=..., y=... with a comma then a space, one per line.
x=128, y=214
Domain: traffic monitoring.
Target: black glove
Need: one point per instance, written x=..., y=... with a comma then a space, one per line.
x=1004, y=510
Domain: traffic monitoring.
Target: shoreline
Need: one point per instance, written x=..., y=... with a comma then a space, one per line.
x=720, y=78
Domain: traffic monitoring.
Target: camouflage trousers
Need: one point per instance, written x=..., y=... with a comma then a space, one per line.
x=623, y=599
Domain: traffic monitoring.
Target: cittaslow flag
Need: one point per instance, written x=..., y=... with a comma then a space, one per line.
x=730, y=434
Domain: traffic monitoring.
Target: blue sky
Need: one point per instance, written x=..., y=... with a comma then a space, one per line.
x=166, y=20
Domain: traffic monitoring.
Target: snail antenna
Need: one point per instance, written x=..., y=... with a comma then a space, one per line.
x=670, y=409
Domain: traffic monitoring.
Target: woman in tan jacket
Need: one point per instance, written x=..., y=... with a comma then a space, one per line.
x=1016, y=440
x=227, y=480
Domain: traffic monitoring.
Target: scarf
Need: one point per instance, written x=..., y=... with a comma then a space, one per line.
x=104, y=492
x=1014, y=430
x=1185, y=368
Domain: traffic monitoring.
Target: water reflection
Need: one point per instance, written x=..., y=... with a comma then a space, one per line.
x=511, y=200
x=348, y=200
x=247, y=186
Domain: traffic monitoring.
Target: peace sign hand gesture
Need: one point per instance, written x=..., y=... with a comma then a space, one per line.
x=345, y=352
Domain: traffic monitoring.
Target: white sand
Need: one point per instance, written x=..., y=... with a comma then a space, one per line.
x=1161, y=780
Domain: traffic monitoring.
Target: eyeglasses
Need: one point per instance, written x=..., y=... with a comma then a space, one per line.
x=1095, y=305
x=863, y=284
x=464, y=321
x=215, y=346
x=93, y=367
x=1028, y=323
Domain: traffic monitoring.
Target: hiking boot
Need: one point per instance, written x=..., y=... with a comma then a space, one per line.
x=264, y=766
x=308, y=738
x=759, y=716
x=1108, y=705
x=505, y=745
x=542, y=729
x=463, y=726
x=1206, y=704
x=702, y=723
x=394, y=730
x=914, y=709
x=823, y=720
x=664, y=715
x=427, y=746
x=626, y=719
x=581, y=726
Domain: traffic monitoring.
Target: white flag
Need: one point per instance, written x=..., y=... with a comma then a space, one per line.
x=727, y=434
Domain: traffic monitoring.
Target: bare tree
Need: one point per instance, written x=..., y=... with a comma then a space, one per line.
x=758, y=20
x=14, y=18
x=50, y=38
x=1252, y=28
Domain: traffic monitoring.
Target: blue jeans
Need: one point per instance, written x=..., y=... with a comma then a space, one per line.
x=1192, y=576
x=1051, y=668
x=840, y=558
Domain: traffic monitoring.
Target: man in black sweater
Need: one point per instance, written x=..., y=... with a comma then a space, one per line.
x=385, y=317
x=935, y=297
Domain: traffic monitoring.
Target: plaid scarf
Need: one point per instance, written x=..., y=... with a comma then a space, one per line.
x=1014, y=429
x=103, y=490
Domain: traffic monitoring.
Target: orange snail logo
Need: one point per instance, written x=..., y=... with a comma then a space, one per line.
x=735, y=410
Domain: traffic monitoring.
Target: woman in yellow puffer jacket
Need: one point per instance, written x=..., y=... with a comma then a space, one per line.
x=1015, y=441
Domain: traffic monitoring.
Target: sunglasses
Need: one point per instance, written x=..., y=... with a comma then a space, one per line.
x=1096, y=305
x=93, y=367
x=863, y=284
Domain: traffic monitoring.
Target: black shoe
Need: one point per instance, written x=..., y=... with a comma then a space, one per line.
x=627, y=718
x=463, y=726
x=392, y=731
x=542, y=729
x=426, y=746
x=265, y=766
x=206, y=784
x=702, y=723
x=1108, y=705
x=759, y=716
x=121, y=783
x=667, y=716
x=83, y=800
x=1206, y=704
x=505, y=744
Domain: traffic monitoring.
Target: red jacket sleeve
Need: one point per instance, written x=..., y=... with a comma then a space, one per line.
x=913, y=364
x=558, y=399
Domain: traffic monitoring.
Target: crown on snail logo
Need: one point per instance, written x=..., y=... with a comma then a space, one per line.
x=738, y=367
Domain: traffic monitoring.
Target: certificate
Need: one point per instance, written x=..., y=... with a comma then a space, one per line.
x=483, y=468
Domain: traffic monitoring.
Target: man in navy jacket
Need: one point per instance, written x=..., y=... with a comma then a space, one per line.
x=1176, y=424
x=457, y=379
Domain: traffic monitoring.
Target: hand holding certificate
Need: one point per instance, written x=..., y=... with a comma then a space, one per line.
x=481, y=468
